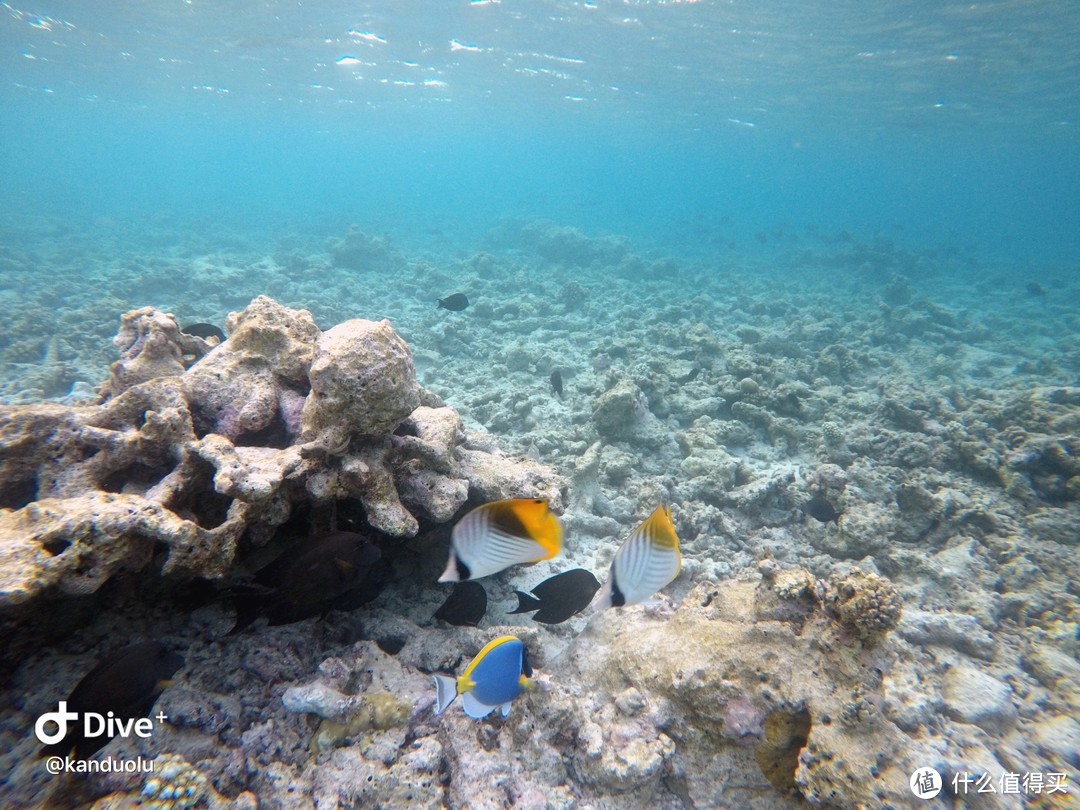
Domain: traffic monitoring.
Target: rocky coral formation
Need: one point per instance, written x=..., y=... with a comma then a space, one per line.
x=864, y=604
x=645, y=708
x=250, y=389
x=193, y=447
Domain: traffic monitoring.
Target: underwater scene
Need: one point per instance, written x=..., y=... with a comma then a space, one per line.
x=542, y=404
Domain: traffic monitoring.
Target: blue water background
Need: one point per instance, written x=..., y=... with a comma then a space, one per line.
x=692, y=128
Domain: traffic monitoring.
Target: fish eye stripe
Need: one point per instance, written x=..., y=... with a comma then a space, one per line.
x=505, y=520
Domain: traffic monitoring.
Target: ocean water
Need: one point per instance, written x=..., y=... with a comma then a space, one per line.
x=940, y=123
x=776, y=250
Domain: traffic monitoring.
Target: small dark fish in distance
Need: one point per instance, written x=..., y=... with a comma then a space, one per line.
x=454, y=303
x=556, y=382
x=465, y=606
x=125, y=683
x=558, y=598
x=1036, y=289
x=205, y=331
x=691, y=375
x=820, y=509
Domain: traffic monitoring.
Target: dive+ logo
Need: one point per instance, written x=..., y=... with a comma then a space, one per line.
x=93, y=725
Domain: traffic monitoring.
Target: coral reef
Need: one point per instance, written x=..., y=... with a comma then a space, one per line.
x=192, y=448
x=935, y=413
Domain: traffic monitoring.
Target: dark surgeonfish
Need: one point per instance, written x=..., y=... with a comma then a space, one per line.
x=125, y=683
x=556, y=382
x=691, y=375
x=454, y=303
x=205, y=331
x=558, y=598
x=465, y=606
x=820, y=509
x=339, y=570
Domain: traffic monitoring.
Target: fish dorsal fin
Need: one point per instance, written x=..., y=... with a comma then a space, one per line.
x=491, y=645
x=660, y=529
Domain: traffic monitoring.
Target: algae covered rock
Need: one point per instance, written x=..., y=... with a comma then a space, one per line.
x=251, y=385
x=151, y=345
x=752, y=685
x=865, y=604
x=363, y=381
x=619, y=410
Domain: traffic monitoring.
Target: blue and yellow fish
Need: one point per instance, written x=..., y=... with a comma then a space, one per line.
x=647, y=561
x=492, y=680
x=499, y=534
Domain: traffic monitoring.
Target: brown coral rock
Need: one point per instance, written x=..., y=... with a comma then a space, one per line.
x=363, y=381
x=250, y=383
x=151, y=345
x=175, y=469
x=865, y=604
x=764, y=707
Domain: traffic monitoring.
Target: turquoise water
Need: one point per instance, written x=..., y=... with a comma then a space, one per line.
x=671, y=123
x=779, y=254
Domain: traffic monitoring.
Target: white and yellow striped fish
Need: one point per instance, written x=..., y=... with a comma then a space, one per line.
x=499, y=534
x=647, y=561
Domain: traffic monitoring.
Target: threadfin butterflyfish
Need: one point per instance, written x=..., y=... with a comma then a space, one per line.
x=647, y=561
x=499, y=534
x=491, y=681
x=558, y=598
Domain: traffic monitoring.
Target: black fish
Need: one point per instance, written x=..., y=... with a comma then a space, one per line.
x=465, y=606
x=559, y=597
x=556, y=382
x=1036, y=289
x=454, y=303
x=205, y=331
x=340, y=570
x=126, y=682
x=820, y=509
x=691, y=375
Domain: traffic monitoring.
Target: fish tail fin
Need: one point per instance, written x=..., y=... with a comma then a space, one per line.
x=526, y=603
x=248, y=609
x=445, y=692
x=602, y=600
